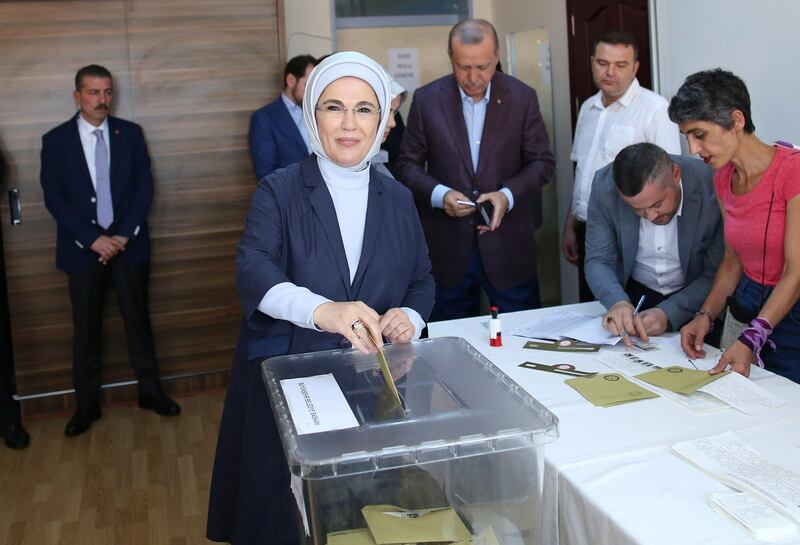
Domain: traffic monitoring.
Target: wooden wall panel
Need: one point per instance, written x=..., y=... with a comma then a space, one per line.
x=190, y=73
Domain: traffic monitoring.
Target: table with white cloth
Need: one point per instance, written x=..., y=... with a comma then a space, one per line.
x=611, y=478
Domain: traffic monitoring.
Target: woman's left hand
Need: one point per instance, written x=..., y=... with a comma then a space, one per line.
x=396, y=326
x=738, y=356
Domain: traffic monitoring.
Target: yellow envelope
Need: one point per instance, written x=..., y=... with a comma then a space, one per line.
x=390, y=524
x=361, y=536
x=679, y=379
x=607, y=389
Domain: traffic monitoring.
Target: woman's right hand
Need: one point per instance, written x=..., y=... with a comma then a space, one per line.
x=692, y=335
x=339, y=318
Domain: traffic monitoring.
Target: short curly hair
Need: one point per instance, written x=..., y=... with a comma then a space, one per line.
x=712, y=95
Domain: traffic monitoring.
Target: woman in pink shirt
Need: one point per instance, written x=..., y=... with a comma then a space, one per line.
x=757, y=187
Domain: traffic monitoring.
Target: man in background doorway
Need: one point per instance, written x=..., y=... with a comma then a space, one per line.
x=277, y=131
x=98, y=187
x=476, y=138
x=620, y=114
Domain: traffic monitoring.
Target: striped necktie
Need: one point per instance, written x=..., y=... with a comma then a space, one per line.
x=105, y=208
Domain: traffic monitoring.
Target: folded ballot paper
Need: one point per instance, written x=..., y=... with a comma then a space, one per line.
x=679, y=379
x=759, y=519
x=363, y=536
x=391, y=525
x=608, y=389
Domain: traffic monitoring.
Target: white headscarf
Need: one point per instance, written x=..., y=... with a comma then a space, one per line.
x=395, y=87
x=341, y=65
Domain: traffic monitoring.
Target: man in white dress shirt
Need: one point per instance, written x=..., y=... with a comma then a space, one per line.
x=621, y=113
x=654, y=230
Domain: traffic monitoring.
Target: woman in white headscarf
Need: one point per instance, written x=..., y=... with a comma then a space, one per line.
x=330, y=246
x=399, y=94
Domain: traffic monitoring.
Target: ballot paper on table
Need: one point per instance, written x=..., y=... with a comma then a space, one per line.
x=609, y=389
x=564, y=345
x=759, y=519
x=743, y=394
x=390, y=525
x=728, y=459
x=679, y=379
x=631, y=364
x=317, y=404
x=564, y=323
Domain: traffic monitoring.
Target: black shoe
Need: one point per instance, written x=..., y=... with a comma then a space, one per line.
x=15, y=435
x=81, y=421
x=160, y=404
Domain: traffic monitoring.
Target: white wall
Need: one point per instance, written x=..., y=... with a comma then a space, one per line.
x=309, y=27
x=757, y=40
x=552, y=14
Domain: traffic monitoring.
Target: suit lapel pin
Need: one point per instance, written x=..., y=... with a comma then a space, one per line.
x=116, y=131
x=499, y=101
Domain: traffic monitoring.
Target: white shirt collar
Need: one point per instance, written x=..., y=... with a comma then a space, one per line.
x=87, y=129
x=624, y=100
x=485, y=96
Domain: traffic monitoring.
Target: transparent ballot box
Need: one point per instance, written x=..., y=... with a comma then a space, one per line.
x=462, y=458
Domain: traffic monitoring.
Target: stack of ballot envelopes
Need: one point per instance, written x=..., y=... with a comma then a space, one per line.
x=392, y=525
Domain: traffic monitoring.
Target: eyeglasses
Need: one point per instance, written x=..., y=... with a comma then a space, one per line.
x=361, y=112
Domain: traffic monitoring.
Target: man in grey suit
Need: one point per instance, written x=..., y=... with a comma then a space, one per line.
x=654, y=228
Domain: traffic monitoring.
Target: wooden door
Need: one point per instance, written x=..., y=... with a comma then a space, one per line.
x=587, y=20
x=190, y=73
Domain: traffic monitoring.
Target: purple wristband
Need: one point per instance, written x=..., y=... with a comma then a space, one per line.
x=755, y=336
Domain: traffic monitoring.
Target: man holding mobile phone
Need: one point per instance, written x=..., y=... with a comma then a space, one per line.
x=475, y=155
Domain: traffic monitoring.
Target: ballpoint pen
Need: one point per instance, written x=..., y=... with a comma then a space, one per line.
x=638, y=305
x=635, y=312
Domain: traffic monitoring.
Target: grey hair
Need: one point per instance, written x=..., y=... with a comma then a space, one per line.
x=712, y=95
x=471, y=32
x=639, y=164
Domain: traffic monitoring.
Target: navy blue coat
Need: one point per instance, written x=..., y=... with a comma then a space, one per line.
x=292, y=234
x=275, y=141
x=70, y=196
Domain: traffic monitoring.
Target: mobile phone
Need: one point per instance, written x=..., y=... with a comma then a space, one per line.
x=487, y=211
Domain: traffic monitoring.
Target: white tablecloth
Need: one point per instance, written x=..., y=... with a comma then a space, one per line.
x=611, y=478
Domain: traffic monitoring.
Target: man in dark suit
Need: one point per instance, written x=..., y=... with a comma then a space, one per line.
x=11, y=429
x=481, y=135
x=277, y=133
x=98, y=186
x=654, y=228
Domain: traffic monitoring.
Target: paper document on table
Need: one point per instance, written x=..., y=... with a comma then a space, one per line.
x=734, y=463
x=317, y=404
x=634, y=364
x=679, y=379
x=563, y=323
x=759, y=519
x=609, y=389
x=743, y=394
